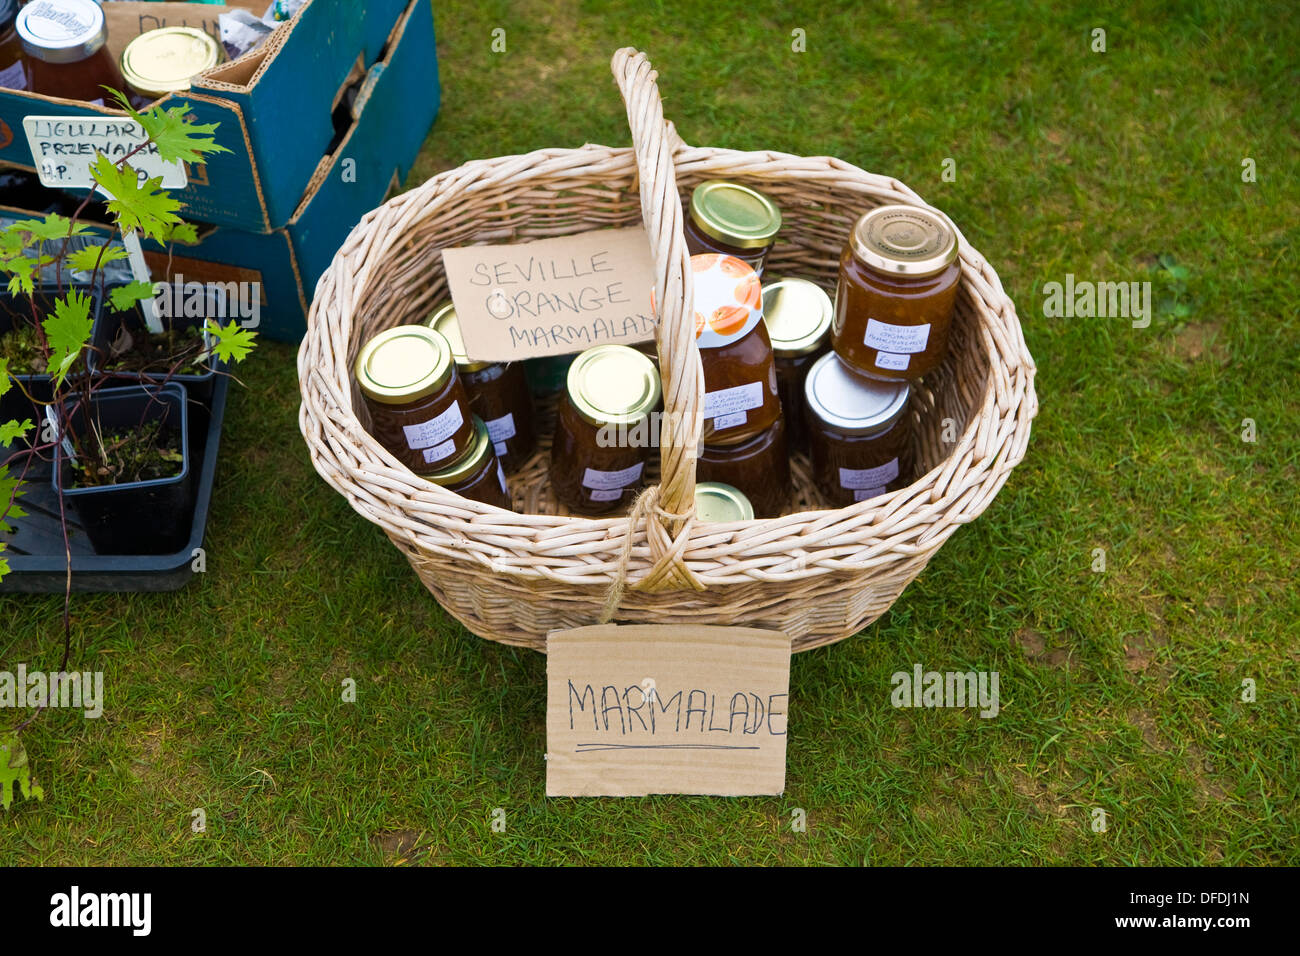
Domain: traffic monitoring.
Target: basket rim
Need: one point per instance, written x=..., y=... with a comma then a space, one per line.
x=816, y=530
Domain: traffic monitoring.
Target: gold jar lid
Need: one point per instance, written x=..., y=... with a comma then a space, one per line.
x=850, y=403
x=444, y=321
x=798, y=314
x=734, y=214
x=613, y=385
x=905, y=240
x=715, y=501
x=404, y=364
x=167, y=59
x=465, y=466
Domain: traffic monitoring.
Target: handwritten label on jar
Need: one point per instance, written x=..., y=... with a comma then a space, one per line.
x=438, y=452
x=855, y=479
x=14, y=77
x=892, y=360
x=897, y=338
x=500, y=430
x=595, y=480
x=862, y=494
x=436, y=430
x=729, y=401
x=730, y=421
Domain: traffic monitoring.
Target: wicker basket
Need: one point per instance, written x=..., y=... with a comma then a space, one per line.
x=819, y=575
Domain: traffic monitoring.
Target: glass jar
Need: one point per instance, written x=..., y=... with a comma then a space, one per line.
x=166, y=60
x=67, y=53
x=478, y=474
x=798, y=318
x=602, y=439
x=715, y=501
x=732, y=220
x=498, y=393
x=858, y=430
x=740, y=394
x=13, y=66
x=758, y=466
x=896, y=293
x=418, y=408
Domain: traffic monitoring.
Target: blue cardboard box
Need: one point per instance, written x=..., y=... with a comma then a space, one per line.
x=397, y=105
x=274, y=105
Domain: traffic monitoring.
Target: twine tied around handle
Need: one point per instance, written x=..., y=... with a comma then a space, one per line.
x=668, y=548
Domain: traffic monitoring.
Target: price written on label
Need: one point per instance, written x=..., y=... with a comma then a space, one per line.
x=63, y=149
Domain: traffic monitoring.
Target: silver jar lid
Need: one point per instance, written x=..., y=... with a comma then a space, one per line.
x=62, y=31
x=850, y=403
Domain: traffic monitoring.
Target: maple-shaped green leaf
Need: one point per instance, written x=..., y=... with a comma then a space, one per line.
x=5, y=382
x=125, y=297
x=230, y=343
x=21, y=283
x=144, y=206
x=55, y=226
x=91, y=257
x=10, y=492
x=67, y=331
x=181, y=232
x=176, y=137
x=14, y=429
x=14, y=769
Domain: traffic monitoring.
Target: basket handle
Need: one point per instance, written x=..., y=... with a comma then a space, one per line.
x=654, y=142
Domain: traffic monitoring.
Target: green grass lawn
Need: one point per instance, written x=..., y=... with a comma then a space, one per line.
x=1120, y=690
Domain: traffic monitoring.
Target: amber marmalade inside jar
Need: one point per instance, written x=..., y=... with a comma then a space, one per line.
x=897, y=289
x=732, y=220
x=602, y=434
x=478, y=475
x=498, y=394
x=798, y=318
x=859, y=432
x=758, y=466
x=740, y=392
x=418, y=408
x=66, y=46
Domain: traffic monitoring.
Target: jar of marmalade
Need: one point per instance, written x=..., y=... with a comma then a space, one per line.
x=498, y=393
x=165, y=60
x=732, y=220
x=715, y=501
x=602, y=439
x=65, y=42
x=896, y=293
x=740, y=395
x=418, y=408
x=13, y=68
x=478, y=474
x=858, y=430
x=798, y=317
x=758, y=466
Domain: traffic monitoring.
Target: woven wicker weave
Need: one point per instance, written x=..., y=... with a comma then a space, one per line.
x=819, y=575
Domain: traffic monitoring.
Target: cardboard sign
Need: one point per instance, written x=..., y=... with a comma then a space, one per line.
x=639, y=709
x=553, y=296
x=64, y=147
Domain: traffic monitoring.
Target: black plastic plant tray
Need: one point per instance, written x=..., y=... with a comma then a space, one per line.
x=35, y=548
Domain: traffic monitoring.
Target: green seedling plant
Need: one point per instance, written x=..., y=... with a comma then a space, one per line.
x=56, y=340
